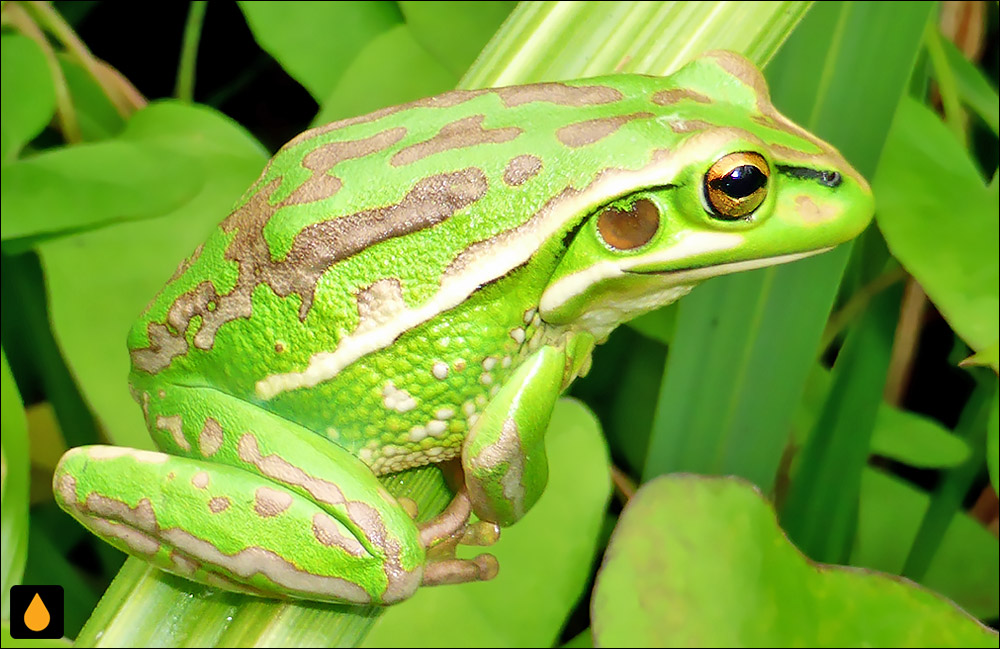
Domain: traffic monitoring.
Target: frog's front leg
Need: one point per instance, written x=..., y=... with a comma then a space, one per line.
x=259, y=504
x=504, y=453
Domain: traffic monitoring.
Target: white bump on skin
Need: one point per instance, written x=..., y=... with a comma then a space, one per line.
x=529, y=314
x=480, y=400
x=469, y=408
x=440, y=370
x=445, y=413
x=505, y=363
x=444, y=342
x=473, y=419
x=485, y=378
x=494, y=390
x=396, y=399
x=517, y=335
x=489, y=363
x=417, y=433
x=436, y=428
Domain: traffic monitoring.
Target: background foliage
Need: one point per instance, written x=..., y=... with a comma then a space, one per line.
x=857, y=390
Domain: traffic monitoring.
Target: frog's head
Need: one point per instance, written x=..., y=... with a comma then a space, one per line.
x=735, y=186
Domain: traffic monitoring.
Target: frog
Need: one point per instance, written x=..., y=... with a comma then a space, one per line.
x=419, y=285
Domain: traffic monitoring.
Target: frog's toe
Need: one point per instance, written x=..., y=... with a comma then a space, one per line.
x=459, y=571
x=480, y=533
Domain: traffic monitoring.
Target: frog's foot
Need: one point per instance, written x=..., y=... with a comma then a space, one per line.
x=459, y=571
x=445, y=532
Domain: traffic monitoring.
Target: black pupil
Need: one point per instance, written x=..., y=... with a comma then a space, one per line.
x=741, y=182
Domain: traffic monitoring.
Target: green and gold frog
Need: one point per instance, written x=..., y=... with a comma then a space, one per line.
x=420, y=284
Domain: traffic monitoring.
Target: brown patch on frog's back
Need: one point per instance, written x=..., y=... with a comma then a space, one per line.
x=317, y=247
x=675, y=95
x=558, y=93
x=587, y=132
x=521, y=169
x=444, y=100
x=743, y=70
x=460, y=134
x=314, y=250
x=163, y=347
x=321, y=185
x=511, y=96
x=689, y=125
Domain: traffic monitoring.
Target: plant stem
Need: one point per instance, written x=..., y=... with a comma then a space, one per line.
x=189, y=51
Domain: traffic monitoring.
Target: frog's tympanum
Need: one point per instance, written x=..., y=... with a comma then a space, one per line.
x=420, y=284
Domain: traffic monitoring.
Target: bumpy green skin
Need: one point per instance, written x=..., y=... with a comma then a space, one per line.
x=420, y=284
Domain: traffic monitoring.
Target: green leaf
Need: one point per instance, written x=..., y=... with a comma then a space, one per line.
x=820, y=509
x=702, y=561
x=545, y=559
x=434, y=25
x=900, y=435
x=404, y=71
x=315, y=41
x=93, y=302
x=142, y=174
x=14, y=494
x=940, y=221
x=95, y=113
x=975, y=90
x=916, y=440
x=965, y=566
x=29, y=100
x=989, y=357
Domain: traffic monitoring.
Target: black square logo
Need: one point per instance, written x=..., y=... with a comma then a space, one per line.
x=36, y=612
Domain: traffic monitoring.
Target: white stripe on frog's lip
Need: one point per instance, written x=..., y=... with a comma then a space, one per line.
x=685, y=275
x=690, y=245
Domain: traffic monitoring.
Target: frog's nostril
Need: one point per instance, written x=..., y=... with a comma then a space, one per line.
x=831, y=178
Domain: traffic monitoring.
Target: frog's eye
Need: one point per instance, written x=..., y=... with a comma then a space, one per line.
x=631, y=228
x=736, y=185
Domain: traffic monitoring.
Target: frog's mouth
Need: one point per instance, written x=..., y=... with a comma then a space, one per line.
x=698, y=273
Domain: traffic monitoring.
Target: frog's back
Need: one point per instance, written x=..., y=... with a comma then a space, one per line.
x=416, y=193
x=366, y=230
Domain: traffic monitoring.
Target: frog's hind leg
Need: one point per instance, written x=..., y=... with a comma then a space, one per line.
x=259, y=504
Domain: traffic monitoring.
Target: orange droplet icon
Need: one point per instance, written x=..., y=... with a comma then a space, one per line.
x=36, y=617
